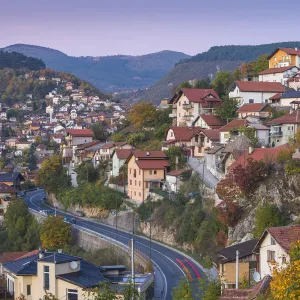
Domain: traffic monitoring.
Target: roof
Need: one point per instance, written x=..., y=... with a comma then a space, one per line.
x=264, y=154
x=211, y=120
x=241, y=143
x=80, y=132
x=229, y=253
x=253, y=107
x=285, y=236
x=260, y=86
x=258, y=126
x=58, y=258
x=176, y=173
x=288, y=118
x=4, y=188
x=145, y=164
x=185, y=133
x=123, y=153
x=10, y=176
x=108, y=146
x=276, y=96
x=87, y=145
x=212, y=134
x=276, y=70
x=234, y=124
x=214, y=150
x=8, y=256
x=290, y=51
x=149, y=154
x=290, y=94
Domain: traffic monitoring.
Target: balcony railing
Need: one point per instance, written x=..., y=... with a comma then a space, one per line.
x=276, y=133
x=187, y=106
x=187, y=117
x=173, y=115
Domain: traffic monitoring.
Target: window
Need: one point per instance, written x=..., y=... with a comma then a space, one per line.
x=155, y=172
x=129, y=171
x=251, y=100
x=134, y=193
x=130, y=182
x=140, y=194
x=139, y=172
x=46, y=278
x=273, y=242
x=266, y=100
x=139, y=183
x=292, y=127
x=283, y=259
x=147, y=185
x=271, y=255
x=288, y=128
x=72, y=294
x=179, y=103
x=150, y=172
x=135, y=182
x=274, y=58
x=171, y=133
x=134, y=173
x=28, y=289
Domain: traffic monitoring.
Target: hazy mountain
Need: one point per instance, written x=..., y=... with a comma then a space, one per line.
x=206, y=64
x=108, y=73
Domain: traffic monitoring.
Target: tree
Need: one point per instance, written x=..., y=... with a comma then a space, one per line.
x=227, y=109
x=21, y=230
x=183, y=291
x=229, y=213
x=55, y=233
x=136, y=139
x=183, y=85
x=267, y=215
x=261, y=64
x=209, y=289
x=142, y=114
x=117, y=137
x=86, y=173
x=104, y=291
x=99, y=131
x=222, y=83
x=176, y=157
x=204, y=83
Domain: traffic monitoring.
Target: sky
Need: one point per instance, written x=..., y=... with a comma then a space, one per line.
x=136, y=27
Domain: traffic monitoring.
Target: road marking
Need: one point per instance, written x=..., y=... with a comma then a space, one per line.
x=193, y=267
x=31, y=198
x=184, y=267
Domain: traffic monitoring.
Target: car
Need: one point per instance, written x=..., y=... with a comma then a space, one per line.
x=21, y=194
x=79, y=213
x=70, y=220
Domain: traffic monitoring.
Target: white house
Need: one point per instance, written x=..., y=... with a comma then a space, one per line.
x=209, y=122
x=280, y=75
x=254, y=91
x=285, y=99
x=294, y=82
x=173, y=180
x=73, y=114
x=228, y=131
x=273, y=247
x=119, y=157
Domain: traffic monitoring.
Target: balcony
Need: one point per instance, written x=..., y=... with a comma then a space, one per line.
x=187, y=106
x=187, y=117
x=173, y=115
x=276, y=133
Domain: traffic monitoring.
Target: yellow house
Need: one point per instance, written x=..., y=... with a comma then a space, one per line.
x=146, y=170
x=64, y=276
x=283, y=57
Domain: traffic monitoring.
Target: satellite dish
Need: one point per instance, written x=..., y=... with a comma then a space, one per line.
x=73, y=265
x=256, y=277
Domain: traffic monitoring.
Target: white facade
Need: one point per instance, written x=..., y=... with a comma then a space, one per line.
x=281, y=134
x=116, y=164
x=279, y=77
x=173, y=183
x=250, y=97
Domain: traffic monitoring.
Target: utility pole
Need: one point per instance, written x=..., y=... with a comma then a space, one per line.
x=202, y=186
x=150, y=239
x=237, y=270
x=132, y=253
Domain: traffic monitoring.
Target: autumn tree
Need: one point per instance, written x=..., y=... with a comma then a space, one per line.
x=229, y=212
x=55, y=233
x=142, y=114
x=183, y=291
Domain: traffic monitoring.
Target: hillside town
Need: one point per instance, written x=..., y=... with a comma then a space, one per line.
x=78, y=148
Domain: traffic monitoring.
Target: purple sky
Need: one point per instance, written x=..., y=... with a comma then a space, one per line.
x=107, y=27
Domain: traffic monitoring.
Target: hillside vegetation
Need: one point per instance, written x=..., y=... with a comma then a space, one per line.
x=109, y=73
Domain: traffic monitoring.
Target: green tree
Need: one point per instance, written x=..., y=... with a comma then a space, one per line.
x=136, y=139
x=183, y=85
x=86, y=173
x=183, y=291
x=261, y=64
x=55, y=233
x=142, y=114
x=117, y=137
x=267, y=215
x=99, y=131
x=176, y=157
x=228, y=109
x=105, y=291
x=204, y=83
x=209, y=289
x=222, y=83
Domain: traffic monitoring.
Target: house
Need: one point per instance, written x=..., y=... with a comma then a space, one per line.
x=274, y=246
x=85, y=152
x=58, y=138
x=173, y=181
x=213, y=161
x=248, y=263
x=283, y=57
x=230, y=130
x=79, y=136
x=189, y=103
x=11, y=142
x=257, y=110
x=64, y=276
x=6, y=193
x=247, y=92
x=119, y=157
x=279, y=74
x=146, y=171
x=284, y=128
x=69, y=86
x=203, y=141
x=23, y=145
x=294, y=82
x=285, y=99
x=12, y=179
x=209, y=122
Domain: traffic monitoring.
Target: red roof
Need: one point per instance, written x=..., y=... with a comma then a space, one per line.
x=212, y=134
x=286, y=119
x=80, y=132
x=9, y=256
x=176, y=173
x=276, y=96
x=259, y=86
x=291, y=51
x=185, y=133
x=233, y=124
x=108, y=146
x=123, y=153
x=253, y=107
x=149, y=154
x=264, y=154
x=212, y=120
x=31, y=253
x=150, y=164
x=4, y=188
x=275, y=70
x=199, y=95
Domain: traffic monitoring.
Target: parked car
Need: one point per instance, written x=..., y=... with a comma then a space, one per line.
x=21, y=194
x=70, y=220
x=79, y=213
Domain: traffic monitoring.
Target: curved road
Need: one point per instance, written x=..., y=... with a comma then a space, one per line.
x=168, y=263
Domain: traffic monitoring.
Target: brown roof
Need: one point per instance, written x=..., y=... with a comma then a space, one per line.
x=27, y=254
x=196, y=95
x=123, y=153
x=185, y=133
x=149, y=154
x=176, y=173
x=4, y=188
x=212, y=120
x=9, y=256
x=286, y=119
x=150, y=164
x=108, y=146
x=212, y=134
x=259, y=86
x=276, y=96
x=234, y=124
x=253, y=107
x=285, y=236
x=80, y=132
x=83, y=146
x=291, y=51
x=275, y=70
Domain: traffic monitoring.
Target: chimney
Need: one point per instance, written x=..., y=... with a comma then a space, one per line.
x=296, y=48
x=251, y=150
x=41, y=253
x=147, y=153
x=59, y=251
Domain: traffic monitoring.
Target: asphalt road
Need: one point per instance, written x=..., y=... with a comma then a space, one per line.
x=168, y=263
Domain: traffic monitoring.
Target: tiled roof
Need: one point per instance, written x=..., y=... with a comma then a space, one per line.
x=8, y=256
x=80, y=132
x=149, y=154
x=290, y=94
x=212, y=120
x=291, y=51
x=58, y=258
x=108, y=146
x=199, y=95
x=212, y=134
x=185, y=133
x=259, y=86
x=286, y=119
x=234, y=124
x=4, y=188
x=253, y=107
x=176, y=173
x=87, y=145
x=158, y=164
x=229, y=253
x=123, y=153
x=276, y=96
x=275, y=70
x=11, y=176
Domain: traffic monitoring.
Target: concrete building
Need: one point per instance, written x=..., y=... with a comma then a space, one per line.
x=280, y=75
x=119, y=157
